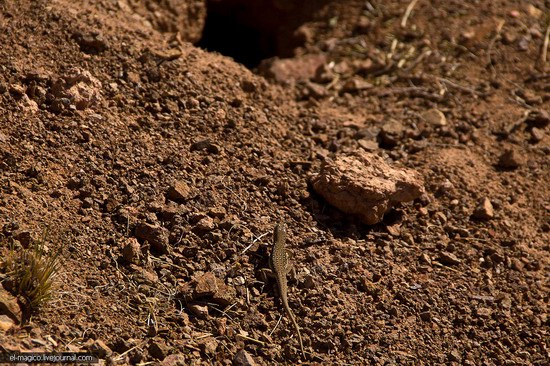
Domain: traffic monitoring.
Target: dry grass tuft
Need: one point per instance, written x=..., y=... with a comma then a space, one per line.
x=29, y=273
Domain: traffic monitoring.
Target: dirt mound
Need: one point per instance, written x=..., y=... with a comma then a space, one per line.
x=159, y=170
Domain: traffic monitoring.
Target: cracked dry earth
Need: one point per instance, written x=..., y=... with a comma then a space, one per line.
x=159, y=170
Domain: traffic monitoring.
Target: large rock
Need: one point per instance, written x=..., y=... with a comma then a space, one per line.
x=365, y=185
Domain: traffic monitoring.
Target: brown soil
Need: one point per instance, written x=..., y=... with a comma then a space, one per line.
x=102, y=113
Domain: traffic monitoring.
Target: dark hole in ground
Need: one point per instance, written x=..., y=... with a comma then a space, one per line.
x=250, y=31
x=244, y=44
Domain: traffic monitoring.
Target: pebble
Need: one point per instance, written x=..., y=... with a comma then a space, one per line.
x=157, y=236
x=538, y=118
x=131, y=251
x=243, y=358
x=6, y=323
x=158, y=350
x=179, y=191
x=510, y=159
x=537, y=134
x=174, y=360
x=200, y=311
x=207, y=285
x=206, y=224
x=9, y=306
x=449, y=259
x=484, y=211
x=435, y=117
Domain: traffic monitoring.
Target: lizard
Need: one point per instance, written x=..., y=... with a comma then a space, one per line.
x=278, y=261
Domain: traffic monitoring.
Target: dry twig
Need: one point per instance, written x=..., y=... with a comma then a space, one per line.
x=408, y=13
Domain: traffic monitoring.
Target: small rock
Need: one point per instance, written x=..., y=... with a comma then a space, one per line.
x=454, y=356
x=207, y=145
x=538, y=118
x=207, y=285
x=356, y=84
x=365, y=185
x=174, y=360
x=449, y=259
x=91, y=43
x=206, y=224
x=158, y=349
x=484, y=312
x=225, y=294
x=314, y=90
x=208, y=345
x=290, y=70
x=179, y=191
x=9, y=306
x=368, y=145
x=391, y=132
x=17, y=90
x=99, y=348
x=426, y=316
x=243, y=358
x=510, y=159
x=157, y=236
x=435, y=117
x=6, y=323
x=24, y=237
x=485, y=210
x=517, y=265
x=131, y=251
x=537, y=134
x=200, y=311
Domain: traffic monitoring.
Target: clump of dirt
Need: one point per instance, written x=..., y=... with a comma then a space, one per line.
x=161, y=169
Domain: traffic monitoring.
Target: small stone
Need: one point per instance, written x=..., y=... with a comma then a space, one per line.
x=177, y=359
x=454, y=356
x=243, y=358
x=510, y=159
x=179, y=191
x=207, y=145
x=200, y=311
x=9, y=306
x=17, y=90
x=435, y=117
x=6, y=323
x=158, y=349
x=484, y=312
x=206, y=224
x=131, y=251
x=516, y=264
x=365, y=185
x=485, y=210
x=356, y=84
x=426, y=316
x=99, y=348
x=225, y=294
x=208, y=345
x=449, y=259
x=24, y=237
x=314, y=90
x=368, y=145
x=217, y=212
x=157, y=236
x=207, y=285
x=538, y=118
x=391, y=132
x=537, y=134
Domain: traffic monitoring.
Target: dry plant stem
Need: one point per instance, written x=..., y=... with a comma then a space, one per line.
x=544, y=52
x=408, y=13
x=500, y=25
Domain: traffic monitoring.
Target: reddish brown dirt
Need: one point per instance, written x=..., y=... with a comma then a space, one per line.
x=432, y=284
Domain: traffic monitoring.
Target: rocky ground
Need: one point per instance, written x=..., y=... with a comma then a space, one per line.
x=158, y=169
